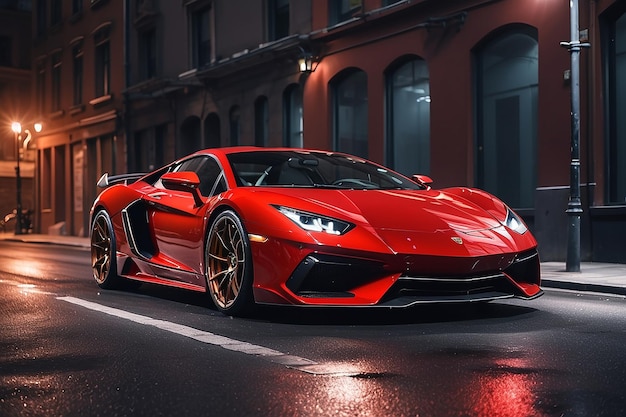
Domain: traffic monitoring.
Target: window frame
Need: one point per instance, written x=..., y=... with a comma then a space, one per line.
x=78, y=69
x=56, y=60
x=102, y=61
x=608, y=22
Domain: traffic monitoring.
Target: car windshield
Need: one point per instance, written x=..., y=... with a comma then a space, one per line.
x=313, y=170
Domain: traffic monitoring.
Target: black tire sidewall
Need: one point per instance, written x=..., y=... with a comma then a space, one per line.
x=112, y=280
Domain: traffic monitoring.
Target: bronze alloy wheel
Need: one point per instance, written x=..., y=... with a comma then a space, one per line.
x=103, y=251
x=228, y=264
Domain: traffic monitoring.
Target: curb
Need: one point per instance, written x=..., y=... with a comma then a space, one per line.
x=579, y=286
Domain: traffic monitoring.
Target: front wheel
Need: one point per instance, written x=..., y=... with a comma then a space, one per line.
x=103, y=252
x=229, y=265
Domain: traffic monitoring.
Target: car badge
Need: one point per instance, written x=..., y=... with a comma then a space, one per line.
x=457, y=240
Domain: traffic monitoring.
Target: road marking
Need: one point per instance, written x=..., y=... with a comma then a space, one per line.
x=275, y=356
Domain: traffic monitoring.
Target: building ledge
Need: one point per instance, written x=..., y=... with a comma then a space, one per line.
x=79, y=108
x=97, y=3
x=101, y=100
x=56, y=114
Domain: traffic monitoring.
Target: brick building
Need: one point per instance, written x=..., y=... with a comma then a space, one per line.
x=471, y=92
x=15, y=95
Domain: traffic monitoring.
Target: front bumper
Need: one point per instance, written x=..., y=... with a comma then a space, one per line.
x=404, y=280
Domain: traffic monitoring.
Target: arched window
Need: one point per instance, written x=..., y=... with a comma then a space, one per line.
x=261, y=121
x=408, y=118
x=350, y=112
x=293, y=117
x=189, y=136
x=234, y=121
x=212, y=131
x=507, y=90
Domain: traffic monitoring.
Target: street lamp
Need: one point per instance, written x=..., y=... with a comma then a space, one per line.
x=16, y=127
x=574, y=207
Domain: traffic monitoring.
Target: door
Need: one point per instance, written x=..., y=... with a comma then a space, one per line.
x=177, y=218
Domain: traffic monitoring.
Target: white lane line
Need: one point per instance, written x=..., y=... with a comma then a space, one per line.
x=291, y=361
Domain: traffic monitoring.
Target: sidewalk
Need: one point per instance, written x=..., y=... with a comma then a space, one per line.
x=596, y=277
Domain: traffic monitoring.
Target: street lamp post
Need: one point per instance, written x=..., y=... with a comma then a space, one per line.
x=574, y=206
x=17, y=129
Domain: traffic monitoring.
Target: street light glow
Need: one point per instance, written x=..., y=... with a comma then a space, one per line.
x=16, y=127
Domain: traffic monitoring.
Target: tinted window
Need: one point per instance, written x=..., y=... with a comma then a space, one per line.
x=313, y=169
x=208, y=171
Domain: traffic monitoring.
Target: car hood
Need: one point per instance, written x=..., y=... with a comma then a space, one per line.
x=402, y=210
x=411, y=221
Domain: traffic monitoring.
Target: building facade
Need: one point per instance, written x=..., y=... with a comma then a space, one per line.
x=15, y=95
x=470, y=92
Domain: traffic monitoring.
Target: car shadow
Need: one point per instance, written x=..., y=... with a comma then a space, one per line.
x=422, y=313
x=373, y=316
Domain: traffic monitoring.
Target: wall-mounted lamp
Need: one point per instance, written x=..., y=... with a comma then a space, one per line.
x=307, y=62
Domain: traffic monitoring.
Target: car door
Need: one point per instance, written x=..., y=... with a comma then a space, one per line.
x=177, y=220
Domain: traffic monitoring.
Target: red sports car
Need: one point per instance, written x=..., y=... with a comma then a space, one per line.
x=306, y=227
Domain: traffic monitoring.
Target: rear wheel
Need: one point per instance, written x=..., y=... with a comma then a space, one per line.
x=229, y=265
x=103, y=252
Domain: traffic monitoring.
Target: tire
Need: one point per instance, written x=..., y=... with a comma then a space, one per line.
x=103, y=252
x=228, y=264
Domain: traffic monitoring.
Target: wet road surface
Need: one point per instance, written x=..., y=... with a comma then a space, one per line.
x=68, y=348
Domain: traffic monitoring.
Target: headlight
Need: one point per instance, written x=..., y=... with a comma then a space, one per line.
x=314, y=222
x=513, y=222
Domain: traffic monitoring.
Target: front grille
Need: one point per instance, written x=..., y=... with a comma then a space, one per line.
x=437, y=287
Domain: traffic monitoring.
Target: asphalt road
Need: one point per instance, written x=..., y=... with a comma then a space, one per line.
x=68, y=348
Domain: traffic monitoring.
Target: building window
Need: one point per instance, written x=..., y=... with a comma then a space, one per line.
x=191, y=140
x=408, y=118
x=144, y=151
x=145, y=7
x=212, y=131
x=615, y=86
x=293, y=116
x=6, y=51
x=506, y=143
x=46, y=178
x=56, y=81
x=261, y=121
x=40, y=19
x=56, y=8
x=149, y=145
x=160, y=135
x=92, y=161
x=40, y=85
x=201, y=37
x=350, y=113
x=77, y=56
x=102, y=62
x=77, y=6
x=148, y=54
x=234, y=117
x=342, y=10
x=278, y=15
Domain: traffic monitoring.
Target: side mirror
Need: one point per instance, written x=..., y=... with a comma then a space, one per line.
x=424, y=180
x=186, y=181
